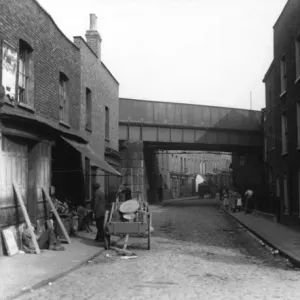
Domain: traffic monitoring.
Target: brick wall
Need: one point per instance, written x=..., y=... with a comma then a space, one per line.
x=105, y=92
x=53, y=53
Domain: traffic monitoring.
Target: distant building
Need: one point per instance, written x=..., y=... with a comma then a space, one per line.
x=178, y=170
x=282, y=116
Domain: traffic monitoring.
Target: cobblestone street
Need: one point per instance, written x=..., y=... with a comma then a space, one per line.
x=197, y=253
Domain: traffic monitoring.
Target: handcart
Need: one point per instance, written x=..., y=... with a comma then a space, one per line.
x=138, y=224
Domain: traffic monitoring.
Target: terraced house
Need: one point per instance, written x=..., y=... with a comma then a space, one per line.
x=282, y=116
x=46, y=118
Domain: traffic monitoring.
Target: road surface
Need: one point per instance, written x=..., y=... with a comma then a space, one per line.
x=197, y=253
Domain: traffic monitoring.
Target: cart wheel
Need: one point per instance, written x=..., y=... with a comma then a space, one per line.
x=107, y=241
x=149, y=232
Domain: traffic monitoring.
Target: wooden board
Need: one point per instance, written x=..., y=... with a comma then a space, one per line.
x=10, y=242
x=27, y=220
x=57, y=216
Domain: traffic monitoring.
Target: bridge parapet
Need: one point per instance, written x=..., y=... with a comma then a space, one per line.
x=187, y=115
x=189, y=125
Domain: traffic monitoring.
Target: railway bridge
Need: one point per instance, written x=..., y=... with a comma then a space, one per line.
x=148, y=126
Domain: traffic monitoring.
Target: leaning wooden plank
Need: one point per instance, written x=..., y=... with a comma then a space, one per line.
x=57, y=217
x=112, y=210
x=126, y=242
x=27, y=220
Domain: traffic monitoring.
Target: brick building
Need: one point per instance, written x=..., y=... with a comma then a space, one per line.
x=42, y=143
x=99, y=110
x=178, y=171
x=282, y=116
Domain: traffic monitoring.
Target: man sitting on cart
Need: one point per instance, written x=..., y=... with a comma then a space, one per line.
x=99, y=211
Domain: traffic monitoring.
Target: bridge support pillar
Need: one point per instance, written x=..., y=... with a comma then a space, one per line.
x=133, y=171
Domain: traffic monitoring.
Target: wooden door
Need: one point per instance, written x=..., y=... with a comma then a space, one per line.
x=39, y=164
x=13, y=168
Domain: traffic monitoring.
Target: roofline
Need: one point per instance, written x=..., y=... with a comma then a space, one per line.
x=268, y=71
x=80, y=37
x=180, y=103
x=52, y=20
x=282, y=12
x=102, y=63
x=114, y=78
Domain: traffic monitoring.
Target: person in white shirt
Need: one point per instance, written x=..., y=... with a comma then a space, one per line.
x=248, y=196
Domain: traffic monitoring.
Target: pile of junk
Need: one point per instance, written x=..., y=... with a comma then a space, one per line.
x=74, y=218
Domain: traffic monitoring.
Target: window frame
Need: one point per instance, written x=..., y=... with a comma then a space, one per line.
x=88, y=109
x=63, y=98
x=107, y=125
x=25, y=92
x=284, y=134
x=283, y=75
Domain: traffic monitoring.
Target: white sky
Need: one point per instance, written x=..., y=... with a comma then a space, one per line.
x=211, y=52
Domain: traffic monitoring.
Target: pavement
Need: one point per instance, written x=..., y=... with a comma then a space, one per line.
x=25, y=272
x=280, y=237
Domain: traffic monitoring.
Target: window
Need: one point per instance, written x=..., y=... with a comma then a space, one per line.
x=181, y=164
x=298, y=124
x=297, y=57
x=9, y=70
x=88, y=107
x=25, y=75
x=182, y=182
x=283, y=77
x=106, y=123
x=63, y=98
x=285, y=194
x=284, y=133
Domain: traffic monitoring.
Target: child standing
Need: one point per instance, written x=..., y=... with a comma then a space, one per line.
x=226, y=201
x=239, y=203
x=233, y=200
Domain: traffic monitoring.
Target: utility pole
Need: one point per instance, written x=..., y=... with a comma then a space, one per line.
x=250, y=100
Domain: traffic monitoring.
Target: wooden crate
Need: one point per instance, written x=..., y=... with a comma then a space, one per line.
x=126, y=227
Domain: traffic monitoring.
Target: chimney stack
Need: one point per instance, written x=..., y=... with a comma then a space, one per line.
x=93, y=37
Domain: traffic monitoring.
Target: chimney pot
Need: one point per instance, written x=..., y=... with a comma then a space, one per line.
x=93, y=22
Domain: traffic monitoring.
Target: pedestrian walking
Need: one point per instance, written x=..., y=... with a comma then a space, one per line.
x=99, y=211
x=248, y=197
